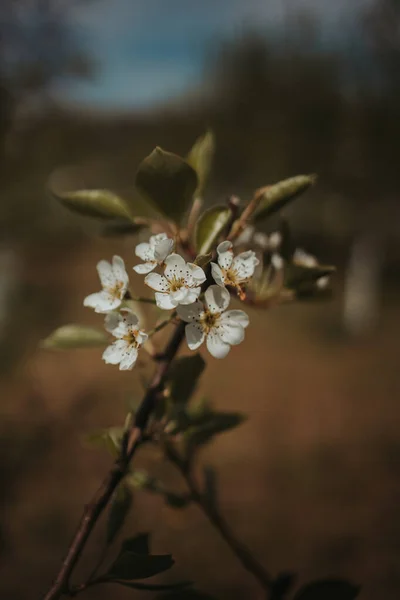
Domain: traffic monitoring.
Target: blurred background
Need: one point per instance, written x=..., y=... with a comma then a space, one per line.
x=311, y=481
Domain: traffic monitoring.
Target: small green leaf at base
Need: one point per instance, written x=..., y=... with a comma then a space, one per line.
x=180, y=585
x=212, y=424
x=134, y=561
x=183, y=377
x=210, y=226
x=328, y=589
x=74, y=336
x=276, y=196
x=101, y=204
x=168, y=181
x=200, y=158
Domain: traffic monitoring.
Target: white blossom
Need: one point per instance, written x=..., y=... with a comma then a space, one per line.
x=233, y=271
x=180, y=284
x=115, y=281
x=304, y=259
x=124, y=350
x=212, y=322
x=153, y=253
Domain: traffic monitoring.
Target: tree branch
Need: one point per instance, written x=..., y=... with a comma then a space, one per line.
x=131, y=441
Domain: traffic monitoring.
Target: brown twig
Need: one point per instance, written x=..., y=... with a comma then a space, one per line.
x=241, y=551
x=131, y=441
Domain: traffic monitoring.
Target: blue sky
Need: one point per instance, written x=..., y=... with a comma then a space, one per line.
x=148, y=52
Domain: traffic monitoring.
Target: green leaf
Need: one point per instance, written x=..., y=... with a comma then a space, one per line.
x=119, y=509
x=141, y=480
x=214, y=423
x=122, y=227
x=153, y=587
x=102, y=204
x=278, y=195
x=168, y=181
x=183, y=377
x=200, y=158
x=202, y=260
x=138, y=564
x=210, y=226
x=75, y=336
x=110, y=439
x=328, y=589
x=139, y=544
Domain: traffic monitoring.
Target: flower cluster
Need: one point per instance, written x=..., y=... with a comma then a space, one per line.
x=180, y=287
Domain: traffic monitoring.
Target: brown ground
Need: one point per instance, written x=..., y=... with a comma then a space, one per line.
x=311, y=481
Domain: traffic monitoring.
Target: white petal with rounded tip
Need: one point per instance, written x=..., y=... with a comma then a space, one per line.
x=216, y=346
x=217, y=299
x=111, y=321
x=236, y=316
x=164, y=301
x=175, y=266
x=145, y=267
x=113, y=354
x=275, y=240
x=157, y=238
x=197, y=273
x=106, y=274
x=303, y=258
x=191, y=312
x=217, y=274
x=157, y=282
x=129, y=359
x=119, y=270
x=191, y=295
x=244, y=264
x=194, y=335
x=145, y=252
x=141, y=337
x=323, y=282
x=231, y=332
x=277, y=261
x=163, y=249
x=179, y=295
x=224, y=247
x=102, y=302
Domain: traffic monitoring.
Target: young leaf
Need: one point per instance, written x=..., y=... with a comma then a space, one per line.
x=200, y=158
x=298, y=275
x=131, y=565
x=278, y=195
x=183, y=377
x=102, y=204
x=119, y=509
x=210, y=226
x=140, y=544
x=213, y=423
x=328, y=589
x=210, y=485
x=202, y=260
x=74, y=336
x=110, y=439
x=168, y=181
x=122, y=227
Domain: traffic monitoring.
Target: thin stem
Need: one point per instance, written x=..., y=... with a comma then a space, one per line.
x=162, y=324
x=130, y=443
x=241, y=551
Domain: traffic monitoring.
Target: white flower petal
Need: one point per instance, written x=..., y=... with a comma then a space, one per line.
x=217, y=299
x=217, y=274
x=120, y=271
x=102, y=302
x=236, y=316
x=164, y=301
x=157, y=282
x=156, y=239
x=275, y=240
x=277, y=261
x=244, y=264
x=106, y=274
x=261, y=240
x=111, y=321
x=323, y=282
x=113, y=354
x=225, y=258
x=191, y=295
x=145, y=267
x=129, y=359
x=141, y=337
x=162, y=249
x=191, y=312
x=216, y=346
x=194, y=335
x=145, y=252
x=304, y=259
x=197, y=274
x=246, y=236
x=175, y=267
x=231, y=332
x=224, y=247
x=179, y=296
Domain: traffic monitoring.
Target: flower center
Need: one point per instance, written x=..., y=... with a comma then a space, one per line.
x=116, y=290
x=175, y=284
x=130, y=337
x=208, y=320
